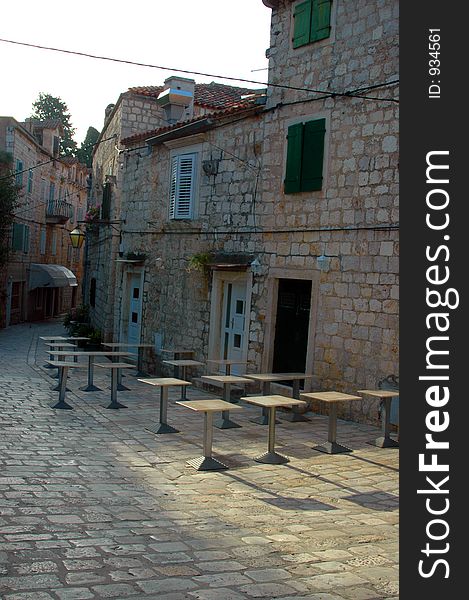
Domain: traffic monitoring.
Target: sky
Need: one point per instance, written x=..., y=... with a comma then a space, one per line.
x=222, y=37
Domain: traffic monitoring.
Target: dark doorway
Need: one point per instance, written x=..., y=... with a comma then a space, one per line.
x=291, y=326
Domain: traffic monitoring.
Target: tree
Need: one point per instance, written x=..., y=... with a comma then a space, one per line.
x=51, y=107
x=9, y=193
x=85, y=151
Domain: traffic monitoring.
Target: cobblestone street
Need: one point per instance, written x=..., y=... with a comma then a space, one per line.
x=93, y=505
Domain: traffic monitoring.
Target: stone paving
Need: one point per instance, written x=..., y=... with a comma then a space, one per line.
x=93, y=505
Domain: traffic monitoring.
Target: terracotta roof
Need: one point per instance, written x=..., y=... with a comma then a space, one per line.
x=214, y=115
x=210, y=95
x=46, y=124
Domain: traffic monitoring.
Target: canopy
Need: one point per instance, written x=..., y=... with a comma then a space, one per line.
x=50, y=276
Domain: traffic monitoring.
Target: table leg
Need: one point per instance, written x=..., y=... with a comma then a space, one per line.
x=271, y=457
x=63, y=387
x=120, y=386
x=385, y=441
x=207, y=462
x=90, y=387
x=224, y=422
x=294, y=416
x=331, y=446
x=183, y=387
x=114, y=378
x=163, y=426
x=139, y=372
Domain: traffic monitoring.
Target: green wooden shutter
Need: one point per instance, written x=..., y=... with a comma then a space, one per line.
x=17, y=240
x=320, y=20
x=294, y=151
x=313, y=155
x=106, y=203
x=302, y=26
x=26, y=239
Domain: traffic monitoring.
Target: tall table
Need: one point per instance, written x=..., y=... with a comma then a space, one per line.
x=331, y=398
x=386, y=396
x=63, y=367
x=208, y=407
x=271, y=403
x=183, y=364
x=164, y=383
x=226, y=381
x=51, y=338
x=90, y=387
x=115, y=345
x=265, y=379
x=115, y=368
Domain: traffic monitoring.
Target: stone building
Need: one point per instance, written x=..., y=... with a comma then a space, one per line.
x=268, y=231
x=43, y=275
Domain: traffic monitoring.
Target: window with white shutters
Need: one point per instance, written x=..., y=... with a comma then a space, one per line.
x=182, y=188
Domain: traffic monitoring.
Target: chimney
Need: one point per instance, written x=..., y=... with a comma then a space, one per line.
x=177, y=99
x=107, y=111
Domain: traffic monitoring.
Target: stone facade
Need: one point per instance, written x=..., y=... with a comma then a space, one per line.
x=335, y=248
x=52, y=200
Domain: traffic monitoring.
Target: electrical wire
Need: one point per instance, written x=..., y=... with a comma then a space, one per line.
x=186, y=71
x=59, y=158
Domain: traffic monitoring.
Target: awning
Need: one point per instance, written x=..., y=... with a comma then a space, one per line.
x=50, y=276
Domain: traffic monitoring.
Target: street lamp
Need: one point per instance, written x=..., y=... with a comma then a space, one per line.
x=77, y=237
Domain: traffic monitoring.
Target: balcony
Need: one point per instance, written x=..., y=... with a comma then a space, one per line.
x=58, y=211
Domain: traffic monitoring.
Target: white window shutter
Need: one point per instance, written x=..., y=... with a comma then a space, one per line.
x=182, y=188
x=172, y=187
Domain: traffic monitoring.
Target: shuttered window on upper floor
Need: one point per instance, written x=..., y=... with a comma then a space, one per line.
x=305, y=156
x=20, y=238
x=182, y=186
x=312, y=22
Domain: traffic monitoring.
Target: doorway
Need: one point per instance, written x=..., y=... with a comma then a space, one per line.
x=292, y=326
x=131, y=319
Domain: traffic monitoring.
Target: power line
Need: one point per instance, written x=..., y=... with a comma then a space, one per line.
x=185, y=71
x=59, y=158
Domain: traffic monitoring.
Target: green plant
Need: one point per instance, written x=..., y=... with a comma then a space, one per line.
x=198, y=262
x=76, y=318
x=95, y=336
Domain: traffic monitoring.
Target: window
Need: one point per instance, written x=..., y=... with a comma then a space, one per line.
x=42, y=242
x=30, y=181
x=19, y=172
x=305, y=154
x=312, y=22
x=93, y=292
x=51, y=196
x=54, y=243
x=20, y=238
x=16, y=295
x=182, y=188
x=106, y=204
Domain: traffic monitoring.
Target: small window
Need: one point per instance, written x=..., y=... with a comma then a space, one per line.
x=237, y=340
x=93, y=292
x=305, y=155
x=312, y=22
x=182, y=187
x=136, y=293
x=42, y=243
x=19, y=173
x=30, y=181
x=134, y=317
x=15, y=295
x=54, y=243
x=239, y=307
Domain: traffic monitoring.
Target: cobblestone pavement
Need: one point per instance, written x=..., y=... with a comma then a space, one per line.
x=93, y=505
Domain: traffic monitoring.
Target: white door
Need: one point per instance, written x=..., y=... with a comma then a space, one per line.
x=233, y=340
x=135, y=312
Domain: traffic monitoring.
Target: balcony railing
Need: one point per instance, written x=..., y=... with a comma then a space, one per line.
x=58, y=211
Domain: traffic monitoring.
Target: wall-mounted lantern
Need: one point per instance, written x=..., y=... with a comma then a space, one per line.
x=77, y=237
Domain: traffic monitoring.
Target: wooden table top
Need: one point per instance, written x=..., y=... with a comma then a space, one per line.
x=225, y=379
x=183, y=362
x=51, y=338
x=329, y=396
x=77, y=338
x=380, y=393
x=277, y=376
x=165, y=381
x=114, y=365
x=273, y=400
x=122, y=345
x=64, y=363
x=227, y=361
x=61, y=344
x=176, y=351
x=214, y=405
x=89, y=353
